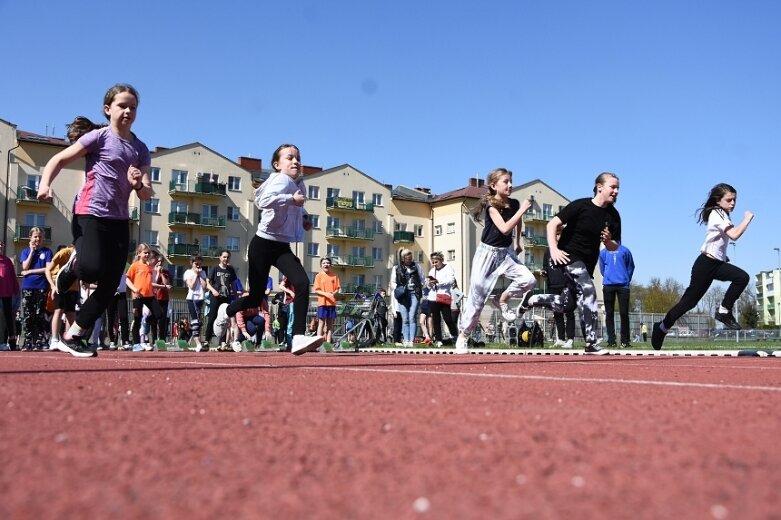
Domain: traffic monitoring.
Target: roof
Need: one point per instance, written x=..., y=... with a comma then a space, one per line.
x=405, y=193
x=469, y=192
x=30, y=137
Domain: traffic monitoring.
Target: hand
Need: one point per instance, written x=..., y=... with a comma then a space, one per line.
x=299, y=198
x=44, y=192
x=134, y=176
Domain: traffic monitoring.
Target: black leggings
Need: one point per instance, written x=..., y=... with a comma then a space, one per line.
x=704, y=271
x=440, y=311
x=262, y=254
x=155, y=313
x=101, y=249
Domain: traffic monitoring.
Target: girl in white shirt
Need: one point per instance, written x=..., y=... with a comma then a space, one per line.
x=712, y=263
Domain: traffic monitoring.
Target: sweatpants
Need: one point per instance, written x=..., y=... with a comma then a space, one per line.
x=488, y=264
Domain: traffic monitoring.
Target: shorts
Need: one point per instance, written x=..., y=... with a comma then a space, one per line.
x=425, y=308
x=66, y=301
x=325, y=312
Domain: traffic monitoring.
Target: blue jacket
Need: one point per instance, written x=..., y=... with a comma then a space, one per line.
x=617, y=267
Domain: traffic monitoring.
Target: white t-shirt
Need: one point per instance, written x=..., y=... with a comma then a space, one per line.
x=716, y=238
x=196, y=293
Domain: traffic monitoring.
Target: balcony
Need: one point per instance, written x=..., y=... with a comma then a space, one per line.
x=355, y=289
x=180, y=218
x=23, y=233
x=360, y=262
x=28, y=195
x=349, y=233
x=347, y=204
x=133, y=213
x=403, y=237
x=188, y=250
x=201, y=189
x=537, y=216
x=535, y=242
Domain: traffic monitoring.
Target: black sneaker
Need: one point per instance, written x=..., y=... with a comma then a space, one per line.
x=728, y=320
x=626, y=345
x=596, y=350
x=657, y=336
x=524, y=305
x=611, y=344
x=76, y=347
x=66, y=275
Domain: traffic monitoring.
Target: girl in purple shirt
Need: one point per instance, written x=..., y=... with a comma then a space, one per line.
x=117, y=164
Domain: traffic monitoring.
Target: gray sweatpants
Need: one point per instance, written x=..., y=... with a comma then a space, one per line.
x=488, y=265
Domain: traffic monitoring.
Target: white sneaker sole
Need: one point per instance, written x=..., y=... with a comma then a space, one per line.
x=312, y=344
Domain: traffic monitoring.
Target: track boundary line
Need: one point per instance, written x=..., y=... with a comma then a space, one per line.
x=560, y=379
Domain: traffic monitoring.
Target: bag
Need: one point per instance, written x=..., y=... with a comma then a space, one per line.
x=444, y=298
x=400, y=293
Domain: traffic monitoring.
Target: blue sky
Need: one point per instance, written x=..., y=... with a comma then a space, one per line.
x=673, y=96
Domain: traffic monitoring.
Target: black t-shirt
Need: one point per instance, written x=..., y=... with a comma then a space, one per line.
x=491, y=235
x=223, y=280
x=581, y=237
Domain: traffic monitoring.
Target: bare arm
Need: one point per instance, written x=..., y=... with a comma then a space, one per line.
x=55, y=164
x=735, y=232
x=506, y=227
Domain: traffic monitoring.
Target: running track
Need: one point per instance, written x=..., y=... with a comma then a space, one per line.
x=373, y=435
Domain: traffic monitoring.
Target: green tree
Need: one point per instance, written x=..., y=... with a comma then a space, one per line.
x=661, y=296
x=748, y=317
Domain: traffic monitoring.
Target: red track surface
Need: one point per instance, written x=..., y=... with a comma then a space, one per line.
x=266, y=435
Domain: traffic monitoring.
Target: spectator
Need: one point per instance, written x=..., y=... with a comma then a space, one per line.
x=9, y=291
x=34, y=259
x=407, y=286
x=326, y=287
x=617, y=268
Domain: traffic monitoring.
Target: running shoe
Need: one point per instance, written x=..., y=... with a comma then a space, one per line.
x=657, y=336
x=461, y=345
x=303, y=344
x=76, y=347
x=596, y=350
x=728, y=320
x=507, y=314
x=66, y=275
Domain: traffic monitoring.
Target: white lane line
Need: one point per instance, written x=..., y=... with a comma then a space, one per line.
x=558, y=378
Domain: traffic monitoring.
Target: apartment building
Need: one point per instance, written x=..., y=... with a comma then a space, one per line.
x=768, y=291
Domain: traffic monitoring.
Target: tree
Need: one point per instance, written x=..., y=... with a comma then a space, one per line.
x=748, y=317
x=661, y=296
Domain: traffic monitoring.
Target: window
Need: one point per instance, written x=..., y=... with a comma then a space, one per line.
x=211, y=177
x=209, y=211
x=451, y=255
x=378, y=282
x=378, y=229
x=233, y=213
x=234, y=183
x=33, y=181
x=400, y=226
x=35, y=219
x=360, y=252
x=420, y=257
x=315, y=221
x=152, y=206
x=437, y=231
x=377, y=253
x=359, y=279
x=333, y=250
x=154, y=174
x=332, y=192
x=232, y=243
x=418, y=230
x=177, y=238
x=314, y=192
x=547, y=211
x=178, y=206
x=359, y=197
x=312, y=275
x=334, y=222
x=150, y=237
x=377, y=199
x=359, y=224
x=451, y=228
x=313, y=249
x=179, y=177
x=209, y=245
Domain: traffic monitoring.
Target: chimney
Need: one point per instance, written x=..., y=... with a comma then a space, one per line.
x=473, y=182
x=250, y=163
x=308, y=170
x=160, y=149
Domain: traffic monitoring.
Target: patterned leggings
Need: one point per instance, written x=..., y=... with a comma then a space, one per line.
x=580, y=282
x=34, y=318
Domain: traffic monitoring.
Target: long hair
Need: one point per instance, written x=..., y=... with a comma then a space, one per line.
x=712, y=202
x=602, y=179
x=490, y=198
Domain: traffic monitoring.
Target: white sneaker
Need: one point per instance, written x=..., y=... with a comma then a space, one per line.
x=461, y=345
x=236, y=346
x=112, y=346
x=54, y=344
x=303, y=344
x=221, y=320
x=201, y=346
x=507, y=314
x=568, y=344
x=559, y=344
x=147, y=347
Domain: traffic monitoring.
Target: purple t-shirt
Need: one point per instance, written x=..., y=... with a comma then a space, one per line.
x=106, y=189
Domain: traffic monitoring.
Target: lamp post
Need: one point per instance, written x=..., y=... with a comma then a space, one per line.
x=777, y=290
